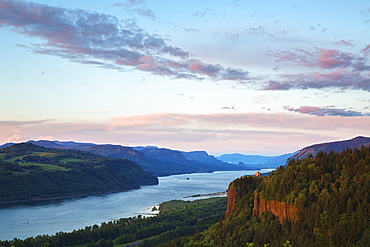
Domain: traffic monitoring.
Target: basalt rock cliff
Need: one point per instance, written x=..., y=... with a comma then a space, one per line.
x=282, y=210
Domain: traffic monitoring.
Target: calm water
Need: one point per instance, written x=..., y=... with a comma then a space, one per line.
x=22, y=221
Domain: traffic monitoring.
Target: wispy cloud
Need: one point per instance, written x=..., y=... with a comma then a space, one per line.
x=366, y=12
x=345, y=70
x=322, y=58
x=259, y=31
x=134, y=2
x=341, y=78
x=131, y=6
x=318, y=27
x=326, y=111
x=201, y=14
x=366, y=50
x=344, y=43
x=228, y=108
x=103, y=40
x=232, y=121
x=284, y=132
x=129, y=2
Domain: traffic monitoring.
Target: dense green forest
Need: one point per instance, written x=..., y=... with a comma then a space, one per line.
x=331, y=192
x=176, y=219
x=31, y=172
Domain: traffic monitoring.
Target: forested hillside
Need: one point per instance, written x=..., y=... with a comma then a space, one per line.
x=31, y=172
x=331, y=195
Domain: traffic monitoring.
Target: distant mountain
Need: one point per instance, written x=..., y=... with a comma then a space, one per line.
x=33, y=172
x=140, y=148
x=62, y=145
x=246, y=159
x=256, y=161
x=153, y=160
x=203, y=157
x=336, y=146
x=196, y=160
x=152, y=165
x=7, y=144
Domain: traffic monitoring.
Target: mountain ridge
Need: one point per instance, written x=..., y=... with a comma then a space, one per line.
x=335, y=146
x=153, y=160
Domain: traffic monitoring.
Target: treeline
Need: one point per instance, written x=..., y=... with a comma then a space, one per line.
x=331, y=192
x=75, y=173
x=192, y=217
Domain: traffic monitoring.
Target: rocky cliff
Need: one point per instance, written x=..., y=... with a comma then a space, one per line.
x=231, y=193
x=282, y=210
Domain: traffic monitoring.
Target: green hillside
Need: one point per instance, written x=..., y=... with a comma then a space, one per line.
x=31, y=172
x=330, y=192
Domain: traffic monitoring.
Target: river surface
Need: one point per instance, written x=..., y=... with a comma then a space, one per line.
x=50, y=217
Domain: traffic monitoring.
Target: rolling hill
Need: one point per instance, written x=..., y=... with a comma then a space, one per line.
x=30, y=172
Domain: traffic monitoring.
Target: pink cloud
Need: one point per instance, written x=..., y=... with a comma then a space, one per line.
x=340, y=78
x=330, y=59
x=323, y=58
x=216, y=133
x=94, y=38
x=344, y=43
x=326, y=111
x=366, y=50
x=227, y=121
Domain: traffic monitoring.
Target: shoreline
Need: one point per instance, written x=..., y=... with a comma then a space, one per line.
x=62, y=197
x=214, y=194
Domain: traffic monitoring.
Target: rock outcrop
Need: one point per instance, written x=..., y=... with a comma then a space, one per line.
x=231, y=193
x=282, y=210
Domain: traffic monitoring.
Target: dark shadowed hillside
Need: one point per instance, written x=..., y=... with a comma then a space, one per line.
x=153, y=160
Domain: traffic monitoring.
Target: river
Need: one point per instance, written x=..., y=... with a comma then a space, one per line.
x=49, y=217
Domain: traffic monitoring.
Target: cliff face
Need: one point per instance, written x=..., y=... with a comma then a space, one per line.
x=231, y=193
x=282, y=210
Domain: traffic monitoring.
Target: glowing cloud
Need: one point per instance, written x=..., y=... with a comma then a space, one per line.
x=103, y=40
x=326, y=111
x=339, y=78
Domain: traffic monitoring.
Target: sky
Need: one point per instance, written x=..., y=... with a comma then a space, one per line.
x=223, y=76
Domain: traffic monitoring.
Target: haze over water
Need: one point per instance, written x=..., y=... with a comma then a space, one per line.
x=22, y=221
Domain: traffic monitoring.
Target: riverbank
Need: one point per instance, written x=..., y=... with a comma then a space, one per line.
x=154, y=210
x=31, y=200
x=215, y=194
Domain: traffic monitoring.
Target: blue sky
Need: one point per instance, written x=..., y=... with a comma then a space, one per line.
x=255, y=77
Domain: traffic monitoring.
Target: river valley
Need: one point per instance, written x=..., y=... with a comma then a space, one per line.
x=49, y=217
